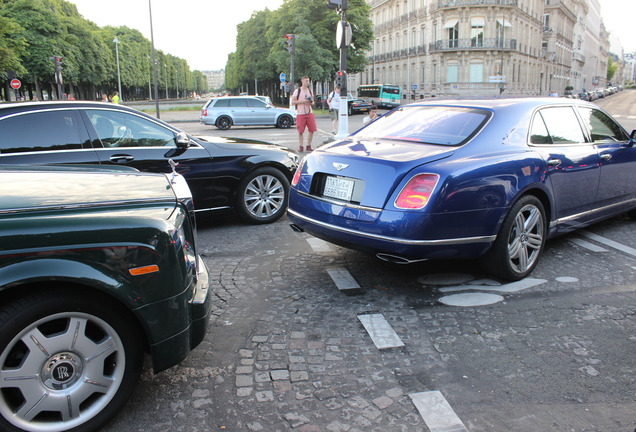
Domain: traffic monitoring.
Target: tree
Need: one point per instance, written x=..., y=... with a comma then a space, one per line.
x=251, y=43
x=11, y=46
x=316, y=52
x=32, y=31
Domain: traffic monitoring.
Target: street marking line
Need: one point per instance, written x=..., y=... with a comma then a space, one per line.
x=319, y=245
x=607, y=242
x=437, y=412
x=343, y=279
x=505, y=288
x=587, y=245
x=381, y=332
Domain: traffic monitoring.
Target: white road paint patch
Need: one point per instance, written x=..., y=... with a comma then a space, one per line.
x=471, y=299
x=437, y=412
x=567, y=279
x=381, y=332
x=489, y=282
x=318, y=245
x=505, y=288
x=607, y=242
x=445, y=279
x=587, y=245
x=343, y=279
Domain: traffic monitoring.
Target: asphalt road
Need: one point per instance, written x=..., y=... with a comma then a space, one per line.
x=307, y=336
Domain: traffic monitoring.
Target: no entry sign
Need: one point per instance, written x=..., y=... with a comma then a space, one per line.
x=15, y=83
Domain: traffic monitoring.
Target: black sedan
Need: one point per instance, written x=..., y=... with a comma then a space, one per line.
x=358, y=106
x=225, y=174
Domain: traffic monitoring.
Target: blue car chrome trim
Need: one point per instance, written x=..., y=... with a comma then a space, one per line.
x=339, y=203
x=590, y=212
x=464, y=240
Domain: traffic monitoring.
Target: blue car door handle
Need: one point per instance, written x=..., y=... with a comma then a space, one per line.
x=606, y=156
x=554, y=162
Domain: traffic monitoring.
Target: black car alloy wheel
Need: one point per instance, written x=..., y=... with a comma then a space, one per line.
x=285, y=121
x=263, y=196
x=224, y=123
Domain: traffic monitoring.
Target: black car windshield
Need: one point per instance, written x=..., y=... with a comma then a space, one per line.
x=428, y=124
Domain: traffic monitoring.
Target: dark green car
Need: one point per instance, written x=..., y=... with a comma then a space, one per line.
x=96, y=268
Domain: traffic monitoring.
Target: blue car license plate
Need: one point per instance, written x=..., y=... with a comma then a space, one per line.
x=338, y=187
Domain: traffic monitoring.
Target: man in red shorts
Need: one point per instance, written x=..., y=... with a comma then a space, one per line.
x=304, y=101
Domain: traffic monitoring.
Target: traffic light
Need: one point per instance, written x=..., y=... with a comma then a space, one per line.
x=58, y=68
x=291, y=42
x=341, y=78
x=58, y=62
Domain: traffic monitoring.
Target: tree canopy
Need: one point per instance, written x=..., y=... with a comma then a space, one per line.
x=33, y=31
x=261, y=52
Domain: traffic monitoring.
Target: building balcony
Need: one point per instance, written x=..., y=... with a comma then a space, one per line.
x=578, y=57
x=457, y=3
x=474, y=44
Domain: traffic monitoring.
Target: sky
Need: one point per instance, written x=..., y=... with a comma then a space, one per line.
x=204, y=32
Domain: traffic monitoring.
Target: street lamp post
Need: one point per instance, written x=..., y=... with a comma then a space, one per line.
x=149, y=83
x=116, y=41
x=166, y=77
x=594, y=78
x=154, y=62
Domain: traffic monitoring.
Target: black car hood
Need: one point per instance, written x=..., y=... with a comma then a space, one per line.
x=234, y=143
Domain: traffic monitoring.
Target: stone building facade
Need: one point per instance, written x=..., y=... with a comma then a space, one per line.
x=486, y=47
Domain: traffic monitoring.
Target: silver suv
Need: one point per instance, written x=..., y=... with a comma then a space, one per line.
x=223, y=112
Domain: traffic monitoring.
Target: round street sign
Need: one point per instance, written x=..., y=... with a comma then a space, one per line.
x=282, y=77
x=15, y=83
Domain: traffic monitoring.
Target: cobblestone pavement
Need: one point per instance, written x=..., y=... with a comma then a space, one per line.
x=286, y=352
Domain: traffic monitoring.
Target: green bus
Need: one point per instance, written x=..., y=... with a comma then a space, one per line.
x=381, y=95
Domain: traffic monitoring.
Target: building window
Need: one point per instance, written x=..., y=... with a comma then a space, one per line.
x=502, y=24
x=477, y=31
x=452, y=73
x=453, y=35
x=476, y=72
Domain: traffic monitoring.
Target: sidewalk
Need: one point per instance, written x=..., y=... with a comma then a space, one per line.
x=189, y=116
x=179, y=116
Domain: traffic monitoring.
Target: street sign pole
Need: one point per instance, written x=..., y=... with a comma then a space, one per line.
x=15, y=85
x=343, y=115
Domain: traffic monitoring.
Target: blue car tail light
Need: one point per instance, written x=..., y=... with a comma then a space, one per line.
x=296, y=177
x=417, y=192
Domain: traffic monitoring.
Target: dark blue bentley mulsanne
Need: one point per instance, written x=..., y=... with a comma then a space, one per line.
x=486, y=179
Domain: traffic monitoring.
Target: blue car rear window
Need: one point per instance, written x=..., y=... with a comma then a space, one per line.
x=428, y=124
